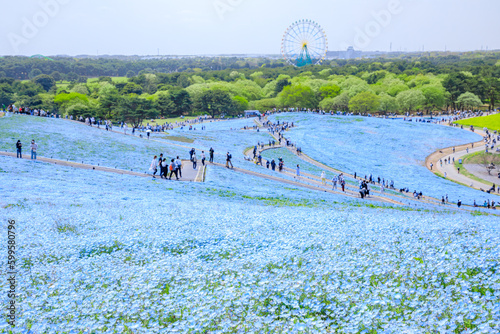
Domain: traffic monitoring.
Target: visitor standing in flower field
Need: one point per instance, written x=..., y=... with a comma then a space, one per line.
x=34, y=148
x=19, y=147
x=211, y=152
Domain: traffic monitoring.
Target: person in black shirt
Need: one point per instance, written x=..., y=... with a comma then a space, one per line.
x=19, y=149
x=211, y=155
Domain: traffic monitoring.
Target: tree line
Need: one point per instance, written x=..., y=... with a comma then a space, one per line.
x=135, y=90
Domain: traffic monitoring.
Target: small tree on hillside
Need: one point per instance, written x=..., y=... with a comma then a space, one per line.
x=469, y=100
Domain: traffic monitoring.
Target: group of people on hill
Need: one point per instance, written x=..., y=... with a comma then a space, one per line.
x=174, y=167
x=33, y=147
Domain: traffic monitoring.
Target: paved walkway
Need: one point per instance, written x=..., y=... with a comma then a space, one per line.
x=308, y=186
x=188, y=173
x=353, y=188
x=450, y=169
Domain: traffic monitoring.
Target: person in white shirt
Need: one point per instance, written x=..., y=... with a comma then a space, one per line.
x=154, y=165
x=33, y=147
x=203, y=158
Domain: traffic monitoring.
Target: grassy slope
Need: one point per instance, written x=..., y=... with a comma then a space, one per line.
x=491, y=122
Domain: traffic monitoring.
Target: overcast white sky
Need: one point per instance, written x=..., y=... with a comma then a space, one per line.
x=127, y=27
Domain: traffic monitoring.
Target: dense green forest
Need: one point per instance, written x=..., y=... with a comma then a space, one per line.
x=133, y=90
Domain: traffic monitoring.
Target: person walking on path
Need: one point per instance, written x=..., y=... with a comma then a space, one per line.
x=19, y=147
x=273, y=165
x=342, y=182
x=431, y=165
x=33, y=147
x=228, y=160
x=194, y=160
x=154, y=166
x=323, y=177
x=173, y=170
x=298, y=171
x=164, y=169
x=334, y=182
x=203, y=158
x=178, y=166
x=211, y=153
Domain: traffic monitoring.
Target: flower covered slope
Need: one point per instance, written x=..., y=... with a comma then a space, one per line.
x=74, y=141
x=392, y=149
x=106, y=253
x=194, y=257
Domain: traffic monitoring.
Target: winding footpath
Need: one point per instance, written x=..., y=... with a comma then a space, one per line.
x=457, y=153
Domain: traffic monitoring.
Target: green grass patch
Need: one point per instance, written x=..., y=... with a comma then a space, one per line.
x=179, y=138
x=471, y=158
x=114, y=79
x=491, y=122
x=160, y=121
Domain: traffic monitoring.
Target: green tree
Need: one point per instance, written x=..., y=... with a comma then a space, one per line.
x=469, y=100
x=434, y=97
x=72, y=76
x=364, y=102
x=457, y=84
x=492, y=90
x=132, y=88
x=34, y=73
x=182, y=101
x=183, y=81
x=57, y=76
x=6, y=95
x=133, y=109
x=46, y=81
x=298, y=96
x=215, y=102
x=280, y=84
x=108, y=104
x=410, y=100
x=240, y=103
x=330, y=90
x=387, y=103
x=165, y=105
x=341, y=102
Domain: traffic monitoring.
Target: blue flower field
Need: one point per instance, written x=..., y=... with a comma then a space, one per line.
x=108, y=253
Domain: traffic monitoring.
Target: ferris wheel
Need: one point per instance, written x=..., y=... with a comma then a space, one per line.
x=304, y=43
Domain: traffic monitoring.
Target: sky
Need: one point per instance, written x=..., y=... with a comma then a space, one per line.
x=204, y=27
